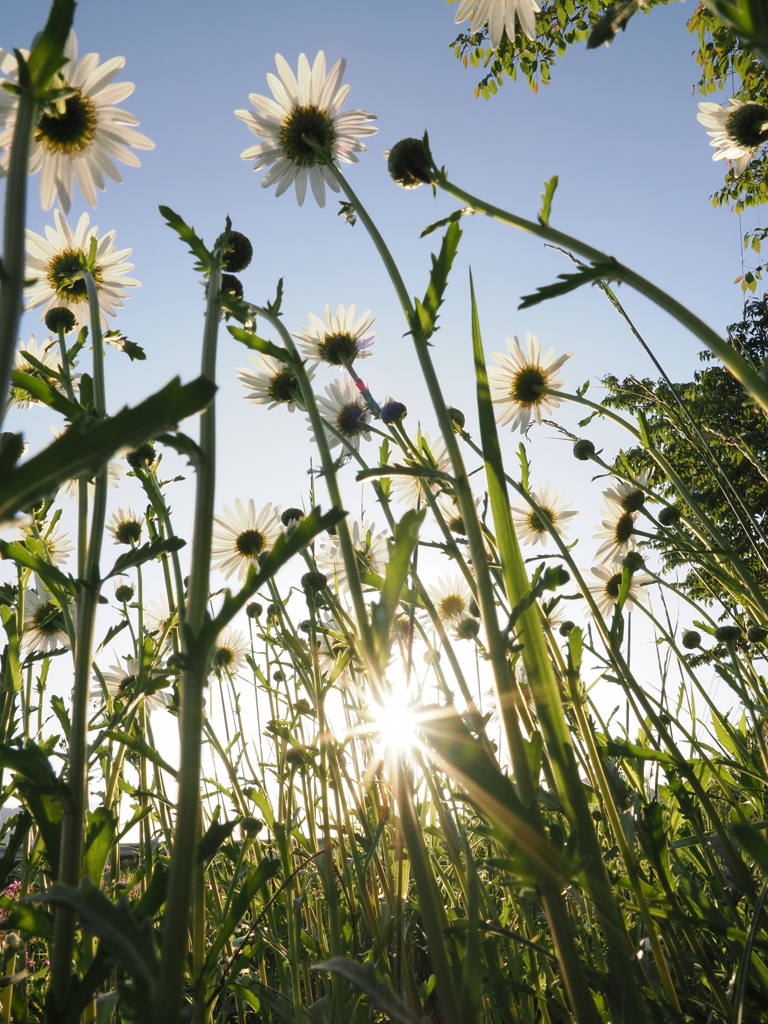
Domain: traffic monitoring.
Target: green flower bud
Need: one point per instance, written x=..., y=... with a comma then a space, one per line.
x=583, y=449
x=60, y=319
x=409, y=163
x=690, y=639
x=238, y=253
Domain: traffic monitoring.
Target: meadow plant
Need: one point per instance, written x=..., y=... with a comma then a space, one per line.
x=395, y=797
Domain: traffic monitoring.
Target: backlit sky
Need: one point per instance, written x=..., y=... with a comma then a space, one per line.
x=618, y=126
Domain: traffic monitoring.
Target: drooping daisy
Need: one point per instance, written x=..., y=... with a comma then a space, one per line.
x=515, y=387
x=616, y=533
x=606, y=590
x=370, y=551
x=57, y=544
x=434, y=454
x=737, y=131
x=451, y=513
x=44, y=625
x=121, y=681
x=271, y=382
x=124, y=589
x=158, y=617
x=339, y=339
x=308, y=106
x=240, y=537
x=54, y=264
x=346, y=411
x=125, y=526
x=499, y=15
x=451, y=597
x=551, y=506
x=626, y=496
x=78, y=139
x=44, y=352
x=229, y=652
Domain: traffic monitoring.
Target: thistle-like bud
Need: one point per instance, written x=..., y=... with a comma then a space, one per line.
x=583, y=449
x=669, y=515
x=757, y=634
x=60, y=319
x=727, y=634
x=238, y=253
x=253, y=609
x=633, y=561
x=458, y=419
x=313, y=582
x=467, y=629
x=251, y=825
x=409, y=163
x=393, y=411
x=144, y=455
x=231, y=285
x=690, y=639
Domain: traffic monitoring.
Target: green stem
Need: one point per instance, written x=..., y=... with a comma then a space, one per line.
x=12, y=278
x=742, y=370
x=191, y=716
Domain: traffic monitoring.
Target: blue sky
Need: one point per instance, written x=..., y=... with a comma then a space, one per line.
x=617, y=125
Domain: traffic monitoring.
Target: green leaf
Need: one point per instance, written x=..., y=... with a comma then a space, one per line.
x=401, y=548
x=99, y=837
x=17, y=552
x=128, y=941
x=183, y=444
x=42, y=392
x=427, y=309
x=255, y=879
x=44, y=795
x=424, y=472
x=216, y=834
x=455, y=216
x=140, y=555
x=47, y=55
x=140, y=746
x=546, y=198
x=605, y=270
x=379, y=992
x=253, y=341
x=86, y=445
x=187, y=234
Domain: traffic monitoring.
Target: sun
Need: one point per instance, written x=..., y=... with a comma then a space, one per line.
x=395, y=720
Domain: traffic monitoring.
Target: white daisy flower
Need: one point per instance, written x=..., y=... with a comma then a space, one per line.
x=44, y=625
x=551, y=505
x=339, y=339
x=57, y=544
x=271, y=382
x=121, y=684
x=409, y=489
x=499, y=15
x=616, y=533
x=308, y=106
x=158, y=616
x=370, y=550
x=230, y=651
x=241, y=537
x=515, y=387
x=54, y=264
x=78, y=139
x=44, y=352
x=606, y=590
x=124, y=589
x=344, y=409
x=451, y=597
x=451, y=513
x=737, y=131
x=125, y=526
x=626, y=496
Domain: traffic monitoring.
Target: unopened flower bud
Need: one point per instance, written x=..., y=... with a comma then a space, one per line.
x=583, y=449
x=291, y=516
x=124, y=591
x=231, y=285
x=458, y=419
x=566, y=627
x=727, y=634
x=144, y=455
x=467, y=629
x=60, y=319
x=633, y=561
x=409, y=164
x=393, y=411
x=238, y=253
x=251, y=825
x=253, y=609
x=690, y=639
x=312, y=582
x=669, y=515
x=756, y=634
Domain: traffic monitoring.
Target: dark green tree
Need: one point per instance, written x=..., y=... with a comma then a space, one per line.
x=718, y=445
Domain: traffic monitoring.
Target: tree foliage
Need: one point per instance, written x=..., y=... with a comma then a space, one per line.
x=718, y=444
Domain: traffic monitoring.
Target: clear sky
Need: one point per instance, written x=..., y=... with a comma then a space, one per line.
x=617, y=125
